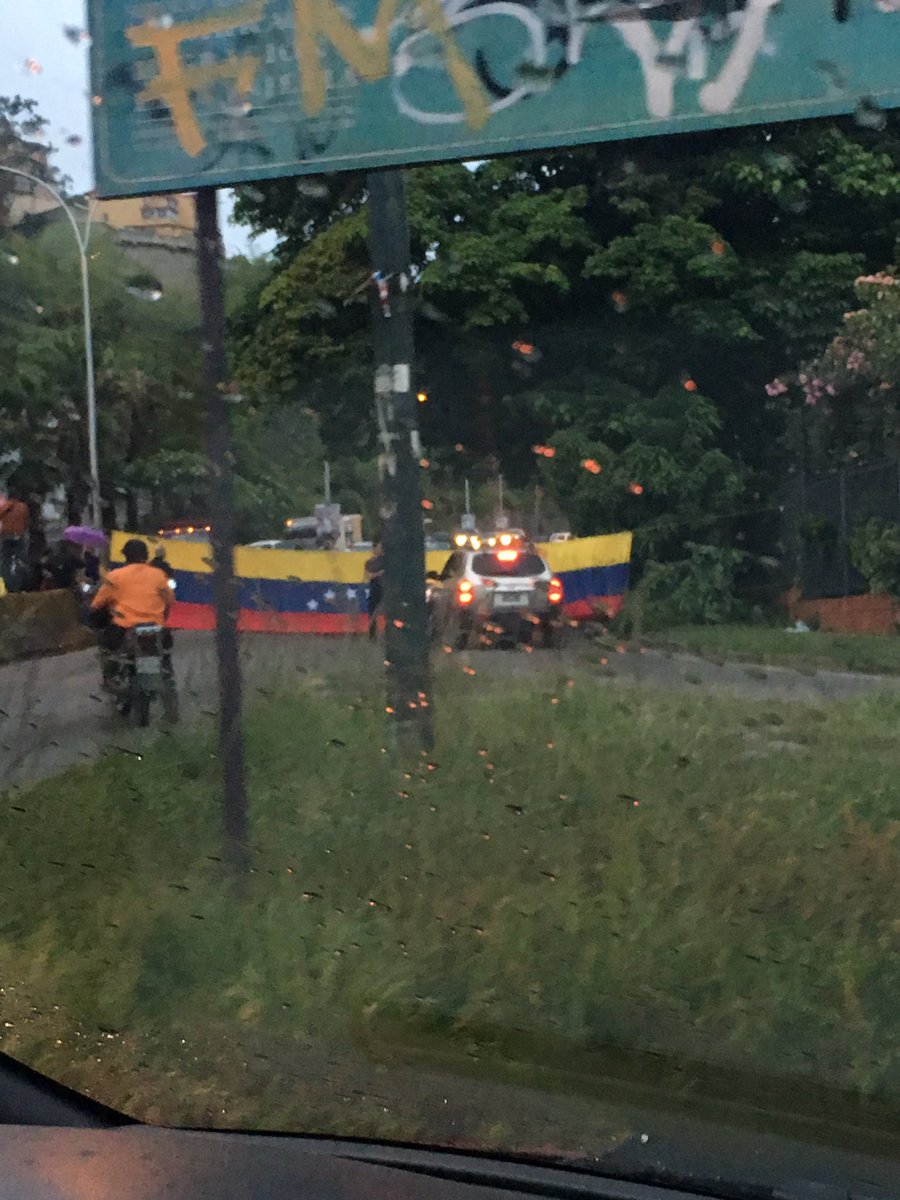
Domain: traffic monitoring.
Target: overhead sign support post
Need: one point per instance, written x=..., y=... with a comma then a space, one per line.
x=221, y=490
x=406, y=636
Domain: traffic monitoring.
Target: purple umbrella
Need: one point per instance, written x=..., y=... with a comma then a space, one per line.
x=84, y=535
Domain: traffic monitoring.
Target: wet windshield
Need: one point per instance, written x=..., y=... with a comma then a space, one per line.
x=348, y=844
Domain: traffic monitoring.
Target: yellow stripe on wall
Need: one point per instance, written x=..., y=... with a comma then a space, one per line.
x=348, y=566
x=607, y=550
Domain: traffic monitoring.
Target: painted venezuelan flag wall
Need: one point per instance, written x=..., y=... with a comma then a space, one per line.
x=322, y=591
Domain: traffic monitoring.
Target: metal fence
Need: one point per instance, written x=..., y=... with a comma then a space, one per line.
x=820, y=515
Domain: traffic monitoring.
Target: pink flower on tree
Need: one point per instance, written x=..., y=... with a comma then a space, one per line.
x=776, y=388
x=813, y=390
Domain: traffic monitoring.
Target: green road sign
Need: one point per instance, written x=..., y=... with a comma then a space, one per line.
x=191, y=93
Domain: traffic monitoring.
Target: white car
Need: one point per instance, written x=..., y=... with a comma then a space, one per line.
x=275, y=544
x=494, y=594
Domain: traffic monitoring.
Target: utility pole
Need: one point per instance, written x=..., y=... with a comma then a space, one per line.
x=468, y=523
x=327, y=482
x=502, y=522
x=221, y=475
x=409, y=697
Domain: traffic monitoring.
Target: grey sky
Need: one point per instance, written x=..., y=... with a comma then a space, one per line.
x=32, y=30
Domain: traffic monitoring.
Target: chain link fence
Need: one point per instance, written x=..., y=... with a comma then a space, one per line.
x=821, y=514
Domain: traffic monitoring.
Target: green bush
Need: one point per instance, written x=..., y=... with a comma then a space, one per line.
x=875, y=552
x=696, y=590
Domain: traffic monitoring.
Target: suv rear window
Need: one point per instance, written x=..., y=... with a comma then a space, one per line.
x=525, y=564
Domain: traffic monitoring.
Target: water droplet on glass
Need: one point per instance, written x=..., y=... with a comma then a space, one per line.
x=869, y=114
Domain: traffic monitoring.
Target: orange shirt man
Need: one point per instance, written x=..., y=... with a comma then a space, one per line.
x=136, y=594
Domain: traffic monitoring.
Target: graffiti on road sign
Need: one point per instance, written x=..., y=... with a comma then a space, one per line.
x=213, y=92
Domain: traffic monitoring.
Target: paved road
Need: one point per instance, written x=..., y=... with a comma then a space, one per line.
x=52, y=714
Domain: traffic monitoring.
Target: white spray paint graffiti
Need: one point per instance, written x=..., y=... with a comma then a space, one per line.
x=688, y=40
x=683, y=53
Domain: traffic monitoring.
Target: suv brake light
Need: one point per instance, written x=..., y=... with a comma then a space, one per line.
x=555, y=591
x=464, y=592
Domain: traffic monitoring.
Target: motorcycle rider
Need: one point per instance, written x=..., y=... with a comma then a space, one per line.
x=136, y=594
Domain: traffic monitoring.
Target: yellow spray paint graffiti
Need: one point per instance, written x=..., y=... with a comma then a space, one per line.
x=175, y=82
x=368, y=53
x=316, y=22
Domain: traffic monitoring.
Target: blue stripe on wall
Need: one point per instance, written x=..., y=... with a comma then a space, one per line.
x=277, y=595
x=588, y=582
x=283, y=595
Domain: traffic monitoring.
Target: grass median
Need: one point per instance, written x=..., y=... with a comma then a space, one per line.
x=868, y=653
x=581, y=870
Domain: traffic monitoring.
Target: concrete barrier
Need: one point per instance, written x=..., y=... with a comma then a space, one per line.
x=38, y=623
x=846, y=614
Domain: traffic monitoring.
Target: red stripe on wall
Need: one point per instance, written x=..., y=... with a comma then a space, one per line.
x=203, y=617
x=597, y=607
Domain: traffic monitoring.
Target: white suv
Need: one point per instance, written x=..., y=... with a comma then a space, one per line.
x=491, y=591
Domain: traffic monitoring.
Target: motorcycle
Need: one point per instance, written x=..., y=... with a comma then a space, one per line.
x=141, y=672
x=138, y=670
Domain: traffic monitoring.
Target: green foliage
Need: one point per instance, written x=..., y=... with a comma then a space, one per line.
x=146, y=364
x=176, y=481
x=278, y=465
x=497, y=243
x=679, y=263
x=698, y=589
x=875, y=552
x=850, y=394
x=727, y=259
x=663, y=443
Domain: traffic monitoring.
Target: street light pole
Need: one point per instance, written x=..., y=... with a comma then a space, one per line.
x=82, y=238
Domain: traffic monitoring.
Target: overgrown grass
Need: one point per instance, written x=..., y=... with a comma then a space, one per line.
x=775, y=647
x=580, y=865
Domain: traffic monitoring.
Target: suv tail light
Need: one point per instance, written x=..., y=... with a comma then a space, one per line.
x=464, y=593
x=555, y=591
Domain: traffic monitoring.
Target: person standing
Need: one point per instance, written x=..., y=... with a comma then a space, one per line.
x=15, y=522
x=159, y=560
x=374, y=570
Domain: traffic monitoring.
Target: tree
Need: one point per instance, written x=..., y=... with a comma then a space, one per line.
x=846, y=402
x=146, y=362
x=722, y=259
x=649, y=462
x=875, y=552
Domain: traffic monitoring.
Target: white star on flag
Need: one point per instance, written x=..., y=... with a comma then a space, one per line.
x=329, y=595
x=351, y=593
x=312, y=605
